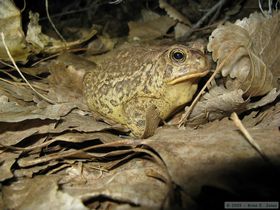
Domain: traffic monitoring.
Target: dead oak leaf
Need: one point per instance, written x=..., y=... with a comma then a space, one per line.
x=255, y=62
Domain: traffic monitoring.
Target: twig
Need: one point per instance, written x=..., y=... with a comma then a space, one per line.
x=210, y=12
x=247, y=135
x=260, y=6
x=10, y=75
x=115, y=2
x=269, y=7
x=61, y=14
x=7, y=64
x=57, y=54
x=199, y=23
x=23, y=77
x=49, y=18
x=218, y=69
x=24, y=6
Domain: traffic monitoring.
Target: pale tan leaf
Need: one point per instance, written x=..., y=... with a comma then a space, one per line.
x=173, y=13
x=10, y=24
x=180, y=30
x=40, y=42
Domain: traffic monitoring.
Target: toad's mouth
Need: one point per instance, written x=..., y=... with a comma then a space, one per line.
x=187, y=76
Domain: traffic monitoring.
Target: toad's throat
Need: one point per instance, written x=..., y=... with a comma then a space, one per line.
x=186, y=77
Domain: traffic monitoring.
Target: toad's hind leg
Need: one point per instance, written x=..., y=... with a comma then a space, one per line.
x=142, y=117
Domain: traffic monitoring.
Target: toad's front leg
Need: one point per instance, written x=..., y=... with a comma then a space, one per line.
x=142, y=117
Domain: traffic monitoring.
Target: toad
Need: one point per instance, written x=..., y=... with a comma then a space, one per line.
x=140, y=86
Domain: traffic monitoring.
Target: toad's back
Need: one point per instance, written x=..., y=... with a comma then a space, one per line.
x=138, y=86
x=121, y=75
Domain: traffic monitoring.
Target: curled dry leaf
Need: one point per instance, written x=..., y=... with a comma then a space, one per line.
x=258, y=50
x=35, y=41
x=253, y=70
x=10, y=25
x=216, y=104
x=220, y=102
x=43, y=43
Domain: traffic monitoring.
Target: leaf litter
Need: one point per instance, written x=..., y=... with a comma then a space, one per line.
x=56, y=154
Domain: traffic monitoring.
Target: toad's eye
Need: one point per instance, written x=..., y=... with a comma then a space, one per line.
x=178, y=55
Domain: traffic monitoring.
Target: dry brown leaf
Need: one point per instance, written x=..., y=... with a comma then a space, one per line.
x=180, y=30
x=267, y=117
x=141, y=174
x=26, y=194
x=66, y=79
x=212, y=154
x=17, y=113
x=17, y=90
x=114, y=185
x=13, y=133
x=220, y=102
x=7, y=160
x=129, y=183
x=31, y=171
x=250, y=72
x=150, y=29
x=101, y=45
x=83, y=137
x=10, y=24
x=194, y=158
x=88, y=162
x=257, y=42
x=173, y=13
x=216, y=104
x=77, y=122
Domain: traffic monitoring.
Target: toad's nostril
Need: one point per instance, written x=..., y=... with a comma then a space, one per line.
x=199, y=58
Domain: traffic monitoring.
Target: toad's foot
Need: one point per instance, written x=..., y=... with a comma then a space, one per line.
x=142, y=117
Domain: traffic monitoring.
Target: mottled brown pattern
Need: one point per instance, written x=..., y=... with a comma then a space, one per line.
x=129, y=81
